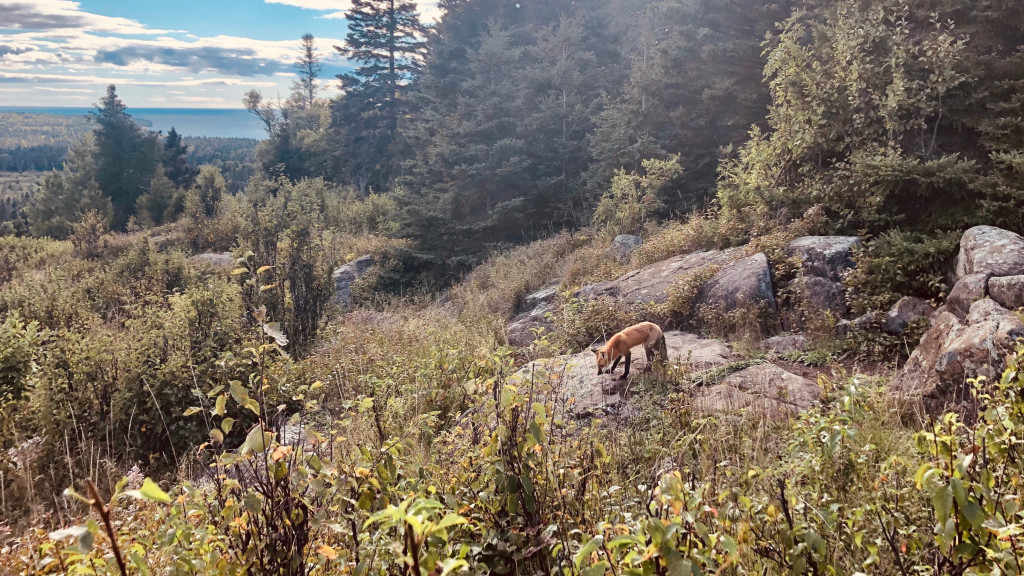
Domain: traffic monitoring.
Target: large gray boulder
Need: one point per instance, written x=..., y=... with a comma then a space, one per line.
x=523, y=329
x=623, y=246
x=819, y=296
x=746, y=282
x=954, y=350
x=763, y=390
x=990, y=250
x=652, y=283
x=215, y=259
x=968, y=290
x=787, y=344
x=574, y=377
x=824, y=256
x=908, y=310
x=344, y=276
x=1008, y=291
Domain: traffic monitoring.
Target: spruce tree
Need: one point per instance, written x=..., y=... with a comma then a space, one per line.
x=125, y=157
x=385, y=39
x=305, y=88
x=175, y=161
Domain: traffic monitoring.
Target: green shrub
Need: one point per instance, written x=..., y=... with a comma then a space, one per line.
x=900, y=263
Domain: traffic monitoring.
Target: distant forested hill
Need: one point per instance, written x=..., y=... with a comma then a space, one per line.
x=31, y=142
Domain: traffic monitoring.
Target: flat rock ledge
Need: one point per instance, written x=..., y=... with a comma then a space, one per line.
x=586, y=394
x=763, y=390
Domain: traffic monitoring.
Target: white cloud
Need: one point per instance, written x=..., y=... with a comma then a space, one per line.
x=65, y=15
x=6, y=77
x=428, y=10
x=67, y=90
x=322, y=5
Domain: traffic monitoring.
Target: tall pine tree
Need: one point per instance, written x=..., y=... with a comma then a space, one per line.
x=305, y=88
x=125, y=156
x=175, y=162
x=385, y=39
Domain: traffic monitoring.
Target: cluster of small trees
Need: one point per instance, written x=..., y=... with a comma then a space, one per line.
x=118, y=171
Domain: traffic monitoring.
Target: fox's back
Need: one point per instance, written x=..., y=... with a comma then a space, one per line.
x=646, y=333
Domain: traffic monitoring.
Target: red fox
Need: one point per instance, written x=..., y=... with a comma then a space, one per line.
x=621, y=345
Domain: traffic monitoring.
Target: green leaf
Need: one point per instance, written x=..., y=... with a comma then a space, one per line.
x=192, y=410
x=227, y=424
x=82, y=535
x=217, y=436
x=221, y=406
x=149, y=491
x=974, y=514
x=239, y=271
x=599, y=569
x=588, y=549
x=450, y=519
x=238, y=392
x=680, y=567
x=942, y=501
x=450, y=565
x=139, y=563
x=255, y=441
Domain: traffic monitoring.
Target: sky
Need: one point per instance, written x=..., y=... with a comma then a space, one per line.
x=164, y=53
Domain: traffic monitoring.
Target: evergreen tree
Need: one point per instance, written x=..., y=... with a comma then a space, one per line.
x=175, y=161
x=695, y=87
x=385, y=39
x=308, y=65
x=67, y=196
x=163, y=202
x=126, y=157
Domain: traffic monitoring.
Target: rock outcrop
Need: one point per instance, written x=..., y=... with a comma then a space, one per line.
x=522, y=328
x=651, y=284
x=1008, y=291
x=953, y=350
x=344, y=276
x=574, y=377
x=764, y=390
x=623, y=246
x=215, y=259
x=908, y=310
x=966, y=292
x=991, y=251
x=826, y=257
x=744, y=283
x=788, y=344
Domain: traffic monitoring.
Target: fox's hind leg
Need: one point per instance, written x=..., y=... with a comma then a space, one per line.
x=649, y=352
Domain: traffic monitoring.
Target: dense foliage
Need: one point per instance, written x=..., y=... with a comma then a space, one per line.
x=289, y=435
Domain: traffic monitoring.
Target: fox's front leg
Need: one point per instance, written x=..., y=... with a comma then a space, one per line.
x=629, y=360
x=616, y=363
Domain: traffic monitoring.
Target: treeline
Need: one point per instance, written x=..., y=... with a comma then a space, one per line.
x=29, y=130
x=33, y=158
x=513, y=119
x=235, y=158
x=31, y=142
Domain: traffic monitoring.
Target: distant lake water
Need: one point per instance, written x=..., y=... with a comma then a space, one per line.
x=224, y=123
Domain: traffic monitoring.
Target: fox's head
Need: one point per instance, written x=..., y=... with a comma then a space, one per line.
x=603, y=359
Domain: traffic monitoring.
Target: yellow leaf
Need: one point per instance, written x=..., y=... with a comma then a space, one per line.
x=327, y=552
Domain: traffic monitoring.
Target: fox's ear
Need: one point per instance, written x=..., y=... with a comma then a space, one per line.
x=596, y=351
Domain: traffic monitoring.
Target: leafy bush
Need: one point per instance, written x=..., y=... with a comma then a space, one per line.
x=899, y=263
x=634, y=199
